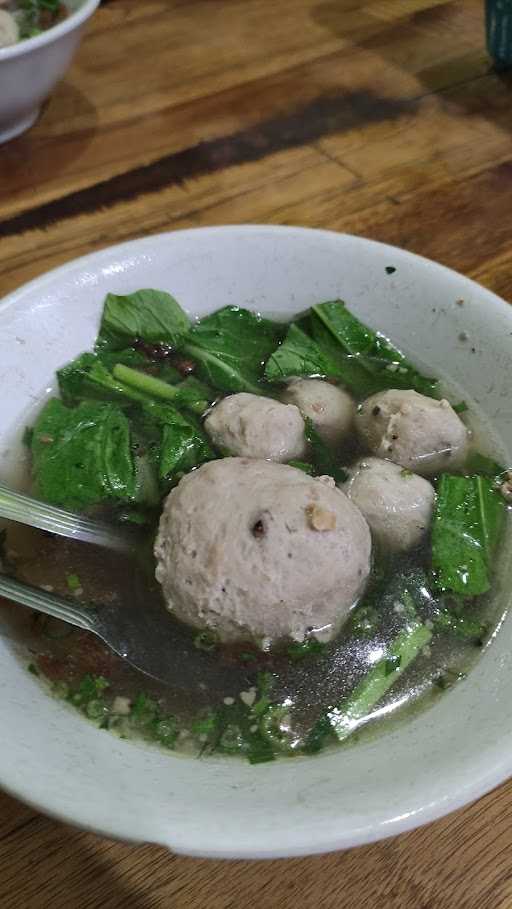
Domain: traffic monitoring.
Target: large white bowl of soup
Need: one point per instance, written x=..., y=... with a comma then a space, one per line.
x=358, y=737
x=37, y=43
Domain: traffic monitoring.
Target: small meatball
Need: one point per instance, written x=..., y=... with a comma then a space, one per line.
x=258, y=551
x=330, y=408
x=9, y=31
x=397, y=503
x=255, y=427
x=417, y=432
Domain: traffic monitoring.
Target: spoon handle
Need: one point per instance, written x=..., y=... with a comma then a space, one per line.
x=24, y=510
x=49, y=603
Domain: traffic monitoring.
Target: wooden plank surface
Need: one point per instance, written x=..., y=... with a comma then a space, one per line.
x=382, y=118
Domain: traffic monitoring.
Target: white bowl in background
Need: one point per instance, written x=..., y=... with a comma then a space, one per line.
x=438, y=760
x=29, y=70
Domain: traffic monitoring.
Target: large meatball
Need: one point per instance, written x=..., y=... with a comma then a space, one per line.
x=255, y=427
x=412, y=430
x=260, y=551
x=330, y=408
x=397, y=503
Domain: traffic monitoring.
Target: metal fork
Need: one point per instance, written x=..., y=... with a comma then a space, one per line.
x=144, y=637
x=25, y=510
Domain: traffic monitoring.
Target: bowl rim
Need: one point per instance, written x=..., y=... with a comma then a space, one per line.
x=469, y=790
x=127, y=247
x=71, y=22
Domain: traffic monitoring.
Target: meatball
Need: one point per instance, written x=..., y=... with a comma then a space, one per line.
x=397, y=503
x=330, y=408
x=412, y=430
x=258, y=551
x=255, y=427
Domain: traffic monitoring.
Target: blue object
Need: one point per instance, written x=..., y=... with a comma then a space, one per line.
x=498, y=26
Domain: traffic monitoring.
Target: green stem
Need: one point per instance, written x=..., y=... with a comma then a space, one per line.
x=142, y=382
x=344, y=719
x=399, y=655
x=150, y=385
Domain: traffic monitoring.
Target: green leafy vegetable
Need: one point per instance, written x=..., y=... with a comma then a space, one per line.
x=467, y=523
x=386, y=365
x=194, y=395
x=323, y=458
x=265, y=682
x=461, y=407
x=258, y=749
x=391, y=599
x=276, y=727
x=152, y=316
x=89, y=377
x=479, y=463
x=463, y=627
x=91, y=688
x=304, y=466
x=165, y=731
x=144, y=710
x=73, y=582
x=96, y=709
x=235, y=729
x=166, y=372
x=100, y=377
x=365, y=621
x=392, y=663
x=230, y=348
x=319, y=736
x=206, y=725
x=182, y=443
x=145, y=716
x=137, y=516
x=299, y=651
x=332, y=342
x=448, y=679
x=300, y=355
x=207, y=641
x=351, y=368
x=409, y=592
x=82, y=456
x=130, y=357
x=238, y=728
x=247, y=656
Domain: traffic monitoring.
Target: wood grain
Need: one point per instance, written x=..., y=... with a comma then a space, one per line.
x=461, y=861
x=382, y=118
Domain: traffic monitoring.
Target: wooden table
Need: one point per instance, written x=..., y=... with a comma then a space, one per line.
x=381, y=118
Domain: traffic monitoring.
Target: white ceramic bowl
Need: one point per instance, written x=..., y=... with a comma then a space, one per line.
x=30, y=69
x=442, y=758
